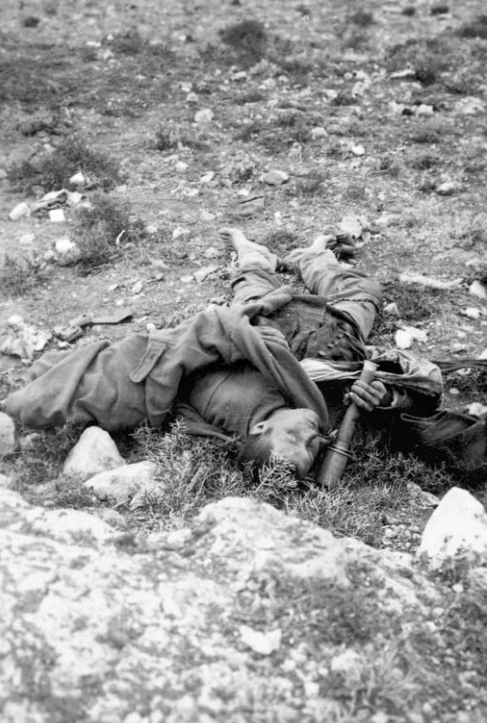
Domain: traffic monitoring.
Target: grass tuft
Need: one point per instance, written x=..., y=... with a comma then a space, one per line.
x=281, y=240
x=194, y=472
x=311, y=185
x=477, y=28
x=248, y=38
x=425, y=162
x=429, y=58
x=166, y=139
x=415, y=303
x=18, y=276
x=440, y=9
x=129, y=43
x=31, y=21
x=425, y=135
x=362, y=18
x=102, y=226
x=53, y=170
x=250, y=96
x=170, y=138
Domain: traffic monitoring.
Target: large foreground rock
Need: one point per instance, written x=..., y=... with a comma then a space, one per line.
x=249, y=616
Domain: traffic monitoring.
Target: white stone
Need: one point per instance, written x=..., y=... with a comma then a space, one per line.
x=425, y=110
x=79, y=179
x=403, y=339
x=207, y=216
x=56, y=215
x=203, y=116
x=349, y=664
x=352, y=225
x=179, y=231
x=7, y=435
x=275, y=178
x=404, y=74
x=396, y=108
x=477, y=409
x=391, y=309
x=471, y=311
x=64, y=245
x=207, y=177
x=358, y=150
x=121, y=483
x=318, y=132
x=27, y=239
x=137, y=287
x=263, y=643
x=416, y=334
x=95, y=452
x=457, y=526
x=448, y=188
x=201, y=274
x=74, y=198
x=470, y=105
x=426, y=499
x=18, y=211
x=478, y=289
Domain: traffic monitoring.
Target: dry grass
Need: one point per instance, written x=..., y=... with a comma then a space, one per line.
x=52, y=171
x=19, y=276
x=104, y=228
x=192, y=472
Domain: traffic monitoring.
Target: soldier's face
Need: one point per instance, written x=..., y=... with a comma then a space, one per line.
x=294, y=435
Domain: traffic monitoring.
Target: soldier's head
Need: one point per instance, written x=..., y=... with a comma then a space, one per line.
x=289, y=434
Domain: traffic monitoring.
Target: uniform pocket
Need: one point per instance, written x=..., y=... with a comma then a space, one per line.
x=155, y=350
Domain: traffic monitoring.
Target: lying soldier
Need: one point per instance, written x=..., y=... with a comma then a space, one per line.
x=231, y=370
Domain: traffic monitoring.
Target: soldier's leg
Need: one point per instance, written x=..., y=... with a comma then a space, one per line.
x=256, y=274
x=344, y=287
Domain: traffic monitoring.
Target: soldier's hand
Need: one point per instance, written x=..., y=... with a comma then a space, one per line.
x=368, y=396
x=271, y=334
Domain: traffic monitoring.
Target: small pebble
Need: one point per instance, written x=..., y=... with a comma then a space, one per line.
x=448, y=188
x=56, y=215
x=203, y=116
x=275, y=178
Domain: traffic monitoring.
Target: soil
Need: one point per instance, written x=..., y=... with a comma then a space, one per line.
x=316, y=90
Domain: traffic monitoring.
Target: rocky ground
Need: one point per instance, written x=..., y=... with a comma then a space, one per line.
x=163, y=122
x=251, y=615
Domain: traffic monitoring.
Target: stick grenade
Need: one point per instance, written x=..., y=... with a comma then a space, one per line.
x=337, y=455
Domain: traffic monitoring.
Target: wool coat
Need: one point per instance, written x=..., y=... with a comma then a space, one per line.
x=120, y=385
